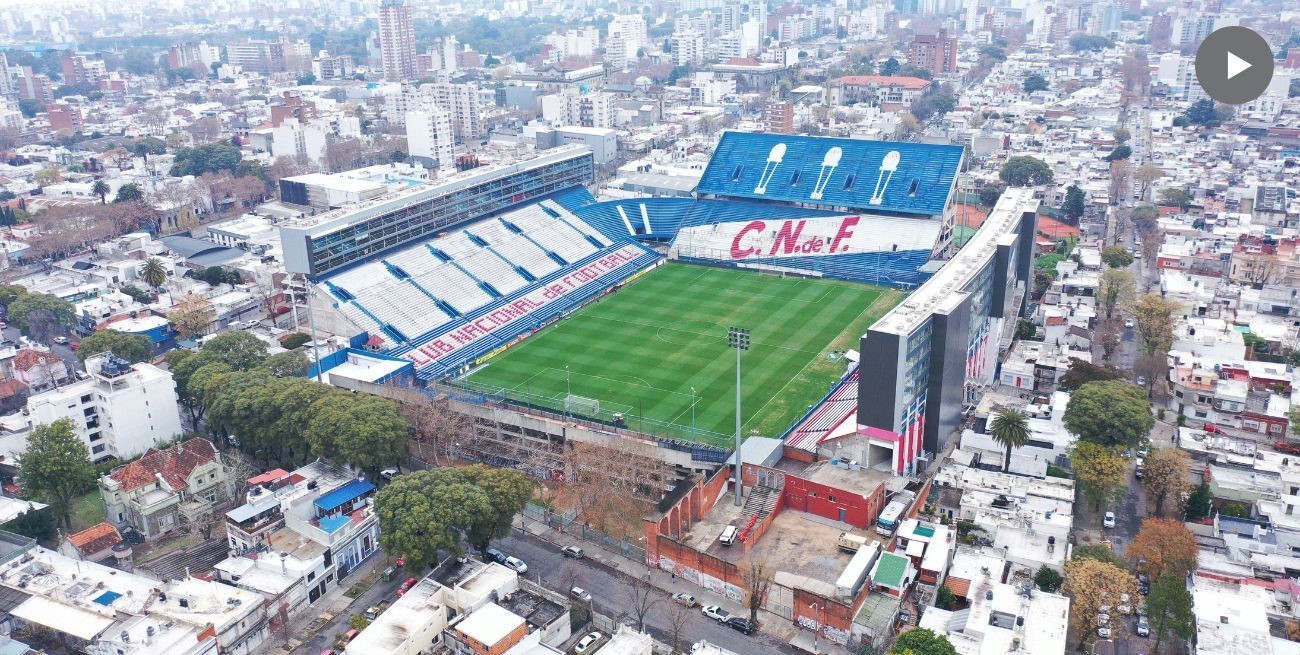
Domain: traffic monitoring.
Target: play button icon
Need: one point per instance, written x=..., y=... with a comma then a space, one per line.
x=1234, y=65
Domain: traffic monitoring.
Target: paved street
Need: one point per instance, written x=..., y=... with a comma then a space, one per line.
x=611, y=591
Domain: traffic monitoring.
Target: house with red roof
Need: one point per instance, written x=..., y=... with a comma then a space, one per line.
x=888, y=93
x=165, y=489
x=39, y=369
x=94, y=544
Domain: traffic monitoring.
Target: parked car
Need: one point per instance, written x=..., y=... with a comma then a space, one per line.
x=581, y=594
x=1144, y=628
x=1104, y=632
x=516, y=564
x=716, y=613
x=1286, y=447
x=1128, y=323
x=406, y=586
x=1142, y=380
x=742, y=625
x=684, y=598
x=1144, y=584
x=588, y=643
x=1108, y=520
x=389, y=474
x=495, y=555
x=61, y=340
x=573, y=551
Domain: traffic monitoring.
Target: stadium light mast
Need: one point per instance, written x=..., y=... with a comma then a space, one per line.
x=738, y=338
x=568, y=391
x=311, y=325
x=693, y=437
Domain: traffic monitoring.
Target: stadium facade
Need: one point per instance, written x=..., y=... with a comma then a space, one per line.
x=926, y=360
x=449, y=274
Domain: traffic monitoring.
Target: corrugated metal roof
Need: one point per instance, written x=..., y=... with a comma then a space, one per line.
x=343, y=495
x=889, y=570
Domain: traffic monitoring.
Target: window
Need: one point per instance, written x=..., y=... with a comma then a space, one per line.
x=311, y=576
x=97, y=449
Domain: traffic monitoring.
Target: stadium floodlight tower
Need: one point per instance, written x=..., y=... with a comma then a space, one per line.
x=738, y=338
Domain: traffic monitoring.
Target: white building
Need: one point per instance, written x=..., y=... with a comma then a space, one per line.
x=429, y=135
x=630, y=31
x=121, y=410
x=688, y=48
x=463, y=102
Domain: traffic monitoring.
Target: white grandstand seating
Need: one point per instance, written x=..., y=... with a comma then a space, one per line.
x=522, y=252
x=487, y=266
x=386, y=296
x=575, y=222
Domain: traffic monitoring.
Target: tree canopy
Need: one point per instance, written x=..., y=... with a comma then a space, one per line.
x=1091, y=584
x=56, y=467
x=1074, y=204
x=363, y=430
x=1153, y=317
x=129, y=192
x=1102, y=475
x=1165, y=477
x=1116, y=257
x=1115, y=286
x=211, y=157
x=1175, y=197
x=1169, y=610
x=1035, y=82
x=1089, y=42
x=38, y=313
x=426, y=513
x=1109, y=413
x=1010, y=428
x=1081, y=373
x=1164, y=546
x=1206, y=114
x=1025, y=171
x=923, y=641
x=131, y=347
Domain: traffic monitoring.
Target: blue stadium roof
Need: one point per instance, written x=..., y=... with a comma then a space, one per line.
x=881, y=176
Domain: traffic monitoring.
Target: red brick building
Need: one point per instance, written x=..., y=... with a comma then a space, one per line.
x=936, y=53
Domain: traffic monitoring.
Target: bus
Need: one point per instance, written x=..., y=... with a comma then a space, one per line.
x=893, y=513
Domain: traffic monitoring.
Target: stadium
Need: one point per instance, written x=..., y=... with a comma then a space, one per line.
x=515, y=286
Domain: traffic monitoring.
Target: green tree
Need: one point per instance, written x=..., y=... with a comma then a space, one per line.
x=1089, y=42
x=1100, y=472
x=923, y=641
x=425, y=513
x=306, y=80
x=1010, y=427
x=101, y=189
x=507, y=490
x=129, y=192
x=240, y=351
x=1048, y=579
x=1081, y=373
x=294, y=398
x=211, y=157
x=1101, y=553
x=989, y=196
x=11, y=292
x=131, y=347
x=1206, y=114
x=217, y=275
x=1175, y=197
x=1122, y=135
x=1153, y=318
x=1025, y=171
x=1119, y=153
x=238, y=403
x=890, y=67
x=150, y=145
x=30, y=108
x=1035, y=82
x=289, y=363
x=295, y=340
x=362, y=430
x=1115, y=286
x=1116, y=257
x=137, y=294
x=1200, y=503
x=1109, y=413
x=56, y=468
x=945, y=598
x=39, y=314
x=1145, y=218
x=1074, y=204
x=153, y=273
x=1169, y=610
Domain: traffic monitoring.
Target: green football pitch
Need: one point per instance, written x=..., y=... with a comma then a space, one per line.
x=641, y=350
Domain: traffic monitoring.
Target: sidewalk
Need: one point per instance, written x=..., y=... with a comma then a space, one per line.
x=336, y=603
x=769, y=623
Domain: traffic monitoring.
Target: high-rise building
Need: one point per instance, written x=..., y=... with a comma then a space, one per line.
x=429, y=135
x=1191, y=28
x=936, y=53
x=397, y=41
x=193, y=54
x=631, y=32
x=688, y=48
x=462, y=101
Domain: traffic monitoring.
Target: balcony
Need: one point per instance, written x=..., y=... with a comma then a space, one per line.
x=153, y=501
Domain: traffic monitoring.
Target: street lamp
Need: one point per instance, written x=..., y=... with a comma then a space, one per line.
x=738, y=338
x=817, y=632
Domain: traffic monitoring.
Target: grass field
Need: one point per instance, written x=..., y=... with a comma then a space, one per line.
x=641, y=350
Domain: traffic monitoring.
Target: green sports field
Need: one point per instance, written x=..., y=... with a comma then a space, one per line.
x=641, y=350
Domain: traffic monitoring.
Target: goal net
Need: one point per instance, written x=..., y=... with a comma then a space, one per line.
x=581, y=405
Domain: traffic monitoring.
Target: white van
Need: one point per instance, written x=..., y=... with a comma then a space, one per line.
x=728, y=535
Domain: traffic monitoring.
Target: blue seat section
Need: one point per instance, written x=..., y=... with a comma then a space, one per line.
x=895, y=269
x=854, y=173
x=448, y=365
x=668, y=215
x=573, y=199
